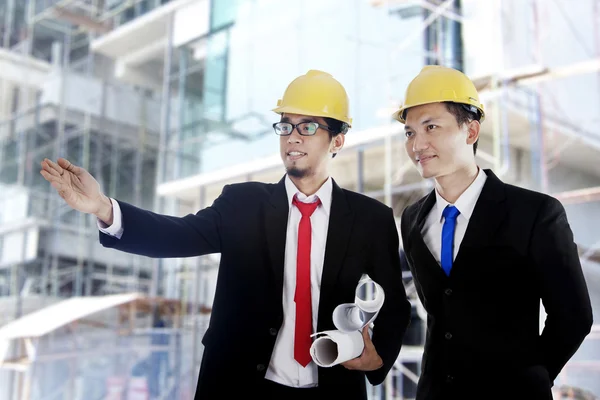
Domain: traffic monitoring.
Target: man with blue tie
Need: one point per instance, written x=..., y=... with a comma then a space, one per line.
x=290, y=253
x=483, y=254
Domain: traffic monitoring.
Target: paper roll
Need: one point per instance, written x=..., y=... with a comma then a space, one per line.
x=372, y=302
x=350, y=317
x=335, y=347
x=338, y=346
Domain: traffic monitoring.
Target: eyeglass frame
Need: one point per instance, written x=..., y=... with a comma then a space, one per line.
x=295, y=127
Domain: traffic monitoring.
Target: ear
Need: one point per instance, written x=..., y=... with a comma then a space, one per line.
x=337, y=143
x=473, y=128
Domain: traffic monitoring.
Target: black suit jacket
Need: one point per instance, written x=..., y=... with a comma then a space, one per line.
x=483, y=339
x=247, y=224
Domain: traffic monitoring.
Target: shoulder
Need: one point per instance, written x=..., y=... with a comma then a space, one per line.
x=249, y=187
x=247, y=193
x=531, y=201
x=411, y=211
x=360, y=202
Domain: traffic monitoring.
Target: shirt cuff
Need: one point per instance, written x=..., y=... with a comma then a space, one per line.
x=116, y=229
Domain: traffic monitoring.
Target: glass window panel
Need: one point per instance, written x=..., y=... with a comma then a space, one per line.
x=223, y=12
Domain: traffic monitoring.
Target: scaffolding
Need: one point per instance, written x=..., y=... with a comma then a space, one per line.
x=62, y=100
x=107, y=347
x=65, y=103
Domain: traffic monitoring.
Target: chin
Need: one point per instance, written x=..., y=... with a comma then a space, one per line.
x=426, y=174
x=296, y=172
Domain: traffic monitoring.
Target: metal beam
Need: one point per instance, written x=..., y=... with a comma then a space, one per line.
x=425, y=4
x=61, y=13
x=435, y=14
x=579, y=196
x=535, y=74
x=47, y=13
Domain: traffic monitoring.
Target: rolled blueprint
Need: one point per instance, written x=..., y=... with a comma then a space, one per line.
x=350, y=317
x=373, y=303
x=338, y=346
x=335, y=347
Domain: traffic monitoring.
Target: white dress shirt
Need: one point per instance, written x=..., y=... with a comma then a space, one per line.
x=283, y=368
x=116, y=229
x=432, y=229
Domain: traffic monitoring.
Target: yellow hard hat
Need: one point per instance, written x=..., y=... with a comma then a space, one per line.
x=436, y=83
x=316, y=94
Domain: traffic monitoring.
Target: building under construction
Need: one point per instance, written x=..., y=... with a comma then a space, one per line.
x=166, y=101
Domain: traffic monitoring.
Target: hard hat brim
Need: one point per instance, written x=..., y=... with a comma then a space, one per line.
x=295, y=110
x=397, y=115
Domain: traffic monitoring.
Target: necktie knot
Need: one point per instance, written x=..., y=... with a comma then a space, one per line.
x=306, y=209
x=450, y=212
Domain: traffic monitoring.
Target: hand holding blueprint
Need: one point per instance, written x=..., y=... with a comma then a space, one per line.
x=338, y=346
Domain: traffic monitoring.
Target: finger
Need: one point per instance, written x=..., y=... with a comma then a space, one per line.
x=49, y=177
x=356, y=362
x=365, y=334
x=352, y=364
x=66, y=164
x=46, y=167
x=55, y=181
x=53, y=168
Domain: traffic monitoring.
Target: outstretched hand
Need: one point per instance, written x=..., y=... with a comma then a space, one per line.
x=369, y=360
x=78, y=188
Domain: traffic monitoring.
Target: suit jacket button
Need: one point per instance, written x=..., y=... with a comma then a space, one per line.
x=448, y=335
x=448, y=292
x=273, y=331
x=260, y=367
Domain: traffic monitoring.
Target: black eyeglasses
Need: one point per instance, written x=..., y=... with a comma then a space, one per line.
x=304, y=128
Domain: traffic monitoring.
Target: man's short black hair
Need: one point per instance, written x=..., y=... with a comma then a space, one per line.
x=336, y=127
x=463, y=115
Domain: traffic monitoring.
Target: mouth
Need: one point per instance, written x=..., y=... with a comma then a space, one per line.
x=295, y=155
x=424, y=159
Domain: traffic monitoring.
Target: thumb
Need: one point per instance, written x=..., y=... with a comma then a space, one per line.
x=365, y=333
x=66, y=164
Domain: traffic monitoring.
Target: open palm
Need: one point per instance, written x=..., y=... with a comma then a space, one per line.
x=74, y=184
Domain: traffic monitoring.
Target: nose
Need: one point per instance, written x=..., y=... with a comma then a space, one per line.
x=294, y=137
x=420, y=142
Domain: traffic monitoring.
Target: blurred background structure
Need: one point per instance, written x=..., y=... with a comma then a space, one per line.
x=166, y=101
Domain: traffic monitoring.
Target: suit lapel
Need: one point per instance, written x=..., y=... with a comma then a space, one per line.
x=423, y=213
x=488, y=214
x=420, y=252
x=341, y=219
x=276, y=219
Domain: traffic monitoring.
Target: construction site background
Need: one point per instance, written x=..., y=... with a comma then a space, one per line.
x=166, y=101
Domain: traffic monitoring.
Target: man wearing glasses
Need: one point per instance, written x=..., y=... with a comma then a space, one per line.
x=290, y=253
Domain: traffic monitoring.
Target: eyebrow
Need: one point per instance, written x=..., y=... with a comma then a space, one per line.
x=285, y=119
x=425, y=122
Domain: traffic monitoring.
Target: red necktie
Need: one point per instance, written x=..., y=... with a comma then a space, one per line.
x=302, y=297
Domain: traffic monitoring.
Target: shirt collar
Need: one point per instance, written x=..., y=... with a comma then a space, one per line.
x=324, y=194
x=467, y=200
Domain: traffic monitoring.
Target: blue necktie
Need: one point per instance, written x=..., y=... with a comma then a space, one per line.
x=450, y=213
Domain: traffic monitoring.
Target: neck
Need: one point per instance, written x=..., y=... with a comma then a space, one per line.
x=451, y=186
x=309, y=185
